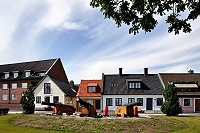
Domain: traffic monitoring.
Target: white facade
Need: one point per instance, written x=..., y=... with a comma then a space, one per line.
x=54, y=91
x=153, y=99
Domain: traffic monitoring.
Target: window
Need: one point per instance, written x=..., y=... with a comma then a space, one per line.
x=14, y=85
x=131, y=100
x=159, y=101
x=55, y=99
x=15, y=74
x=27, y=73
x=5, y=97
x=6, y=75
x=41, y=74
x=38, y=99
x=108, y=101
x=91, y=89
x=47, y=88
x=141, y=101
x=4, y=86
x=47, y=99
x=14, y=96
x=118, y=101
x=90, y=101
x=24, y=85
x=134, y=85
x=186, y=102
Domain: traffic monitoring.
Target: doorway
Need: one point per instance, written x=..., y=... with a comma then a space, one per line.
x=149, y=105
x=197, y=105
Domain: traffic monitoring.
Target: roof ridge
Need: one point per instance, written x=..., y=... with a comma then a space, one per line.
x=29, y=61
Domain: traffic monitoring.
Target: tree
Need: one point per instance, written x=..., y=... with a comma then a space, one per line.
x=140, y=14
x=171, y=106
x=27, y=100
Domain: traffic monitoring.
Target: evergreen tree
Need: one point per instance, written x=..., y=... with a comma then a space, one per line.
x=171, y=106
x=27, y=100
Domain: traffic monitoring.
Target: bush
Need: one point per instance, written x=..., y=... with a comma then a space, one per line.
x=171, y=106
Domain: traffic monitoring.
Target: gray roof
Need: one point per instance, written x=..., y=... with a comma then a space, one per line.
x=41, y=65
x=65, y=87
x=117, y=85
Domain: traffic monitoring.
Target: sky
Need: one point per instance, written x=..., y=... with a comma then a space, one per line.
x=87, y=43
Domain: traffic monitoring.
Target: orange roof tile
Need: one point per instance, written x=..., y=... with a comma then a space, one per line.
x=83, y=88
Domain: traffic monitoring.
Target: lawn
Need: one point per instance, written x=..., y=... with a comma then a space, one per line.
x=37, y=123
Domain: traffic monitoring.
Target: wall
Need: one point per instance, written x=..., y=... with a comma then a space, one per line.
x=187, y=109
x=18, y=91
x=55, y=91
x=125, y=101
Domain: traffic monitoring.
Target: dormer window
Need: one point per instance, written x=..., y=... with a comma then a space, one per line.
x=15, y=74
x=134, y=83
x=6, y=74
x=92, y=87
x=27, y=73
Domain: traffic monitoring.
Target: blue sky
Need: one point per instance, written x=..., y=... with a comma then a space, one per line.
x=88, y=44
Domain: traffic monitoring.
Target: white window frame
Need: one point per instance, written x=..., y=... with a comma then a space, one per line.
x=14, y=85
x=131, y=100
x=6, y=75
x=4, y=97
x=27, y=73
x=14, y=96
x=15, y=74
x=109, y=102
x=134, y=85
x=47, y=88
x=184, y=102
x=118, y=101
x=142, y=101
x=4, y=86
x=38, y=99
x=24, y=84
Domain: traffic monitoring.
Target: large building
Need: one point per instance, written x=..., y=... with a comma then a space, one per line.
x=15, y=77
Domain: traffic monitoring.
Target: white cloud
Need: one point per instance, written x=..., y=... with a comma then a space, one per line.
x=74, y=26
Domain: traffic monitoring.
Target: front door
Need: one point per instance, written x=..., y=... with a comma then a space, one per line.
x=149, y=104
x=197, y=105
x=97, y=103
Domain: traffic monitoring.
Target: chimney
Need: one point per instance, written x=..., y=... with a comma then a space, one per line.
x=120, y=72
x=72, y=84
x=191, y=71
x=145, y=71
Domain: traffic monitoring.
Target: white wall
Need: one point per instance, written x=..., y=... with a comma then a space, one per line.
x=55, y=91
x=125, y=101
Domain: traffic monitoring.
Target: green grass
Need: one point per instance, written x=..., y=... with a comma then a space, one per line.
x=6, y=127
x=193, y=123
x=36, y=123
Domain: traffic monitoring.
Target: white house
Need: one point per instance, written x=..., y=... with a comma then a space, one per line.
x=53, y=90
x=120, y=89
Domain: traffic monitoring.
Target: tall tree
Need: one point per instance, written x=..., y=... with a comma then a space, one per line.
x=27, y=100
x=140, y=14
x=171, y=106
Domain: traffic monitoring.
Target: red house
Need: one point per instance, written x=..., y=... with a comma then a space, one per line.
x=90, y=91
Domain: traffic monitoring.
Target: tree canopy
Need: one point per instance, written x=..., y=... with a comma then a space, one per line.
x=171, y=106
x=140, y=14
x=27, y=100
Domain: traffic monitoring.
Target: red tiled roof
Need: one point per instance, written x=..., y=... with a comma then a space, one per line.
x=83, y=88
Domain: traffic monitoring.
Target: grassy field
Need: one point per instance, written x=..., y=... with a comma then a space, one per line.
x=37, y=123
